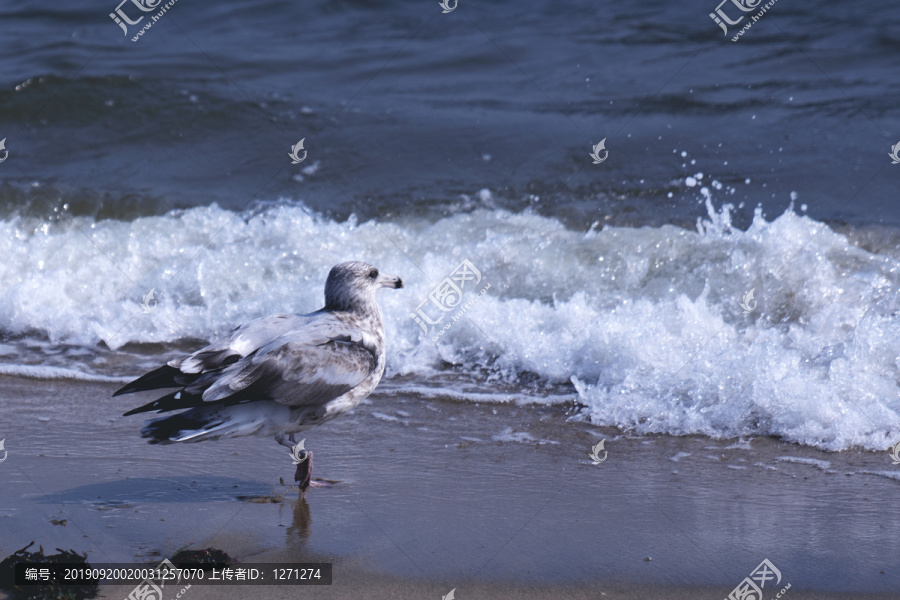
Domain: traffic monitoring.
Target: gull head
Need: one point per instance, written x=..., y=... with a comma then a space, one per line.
x=352, y=285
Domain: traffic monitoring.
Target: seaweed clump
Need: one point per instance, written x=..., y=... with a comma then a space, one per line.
x=49, y=590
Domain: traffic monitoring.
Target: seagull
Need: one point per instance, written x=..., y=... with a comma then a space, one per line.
x=277, y=375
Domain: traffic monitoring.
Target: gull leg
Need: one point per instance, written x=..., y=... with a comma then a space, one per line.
x=303, y=474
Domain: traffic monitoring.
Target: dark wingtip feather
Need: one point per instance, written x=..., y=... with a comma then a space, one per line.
x=163, y=377
x=174, y=401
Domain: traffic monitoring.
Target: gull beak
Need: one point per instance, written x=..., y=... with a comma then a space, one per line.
x=390, y=282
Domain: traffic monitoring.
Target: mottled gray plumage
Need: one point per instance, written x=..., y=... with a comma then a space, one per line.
x=278, y=374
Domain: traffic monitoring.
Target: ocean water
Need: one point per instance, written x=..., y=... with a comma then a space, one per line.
x=641, y=327
x=622, y=289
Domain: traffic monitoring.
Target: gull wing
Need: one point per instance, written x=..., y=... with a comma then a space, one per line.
x=239, y=343
x=297, y=373
x=294, y=360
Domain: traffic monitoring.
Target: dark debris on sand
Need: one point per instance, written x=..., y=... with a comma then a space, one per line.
x=50, y=591
x=209, y=558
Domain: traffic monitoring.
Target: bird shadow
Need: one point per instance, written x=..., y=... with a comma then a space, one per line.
x=125, y=493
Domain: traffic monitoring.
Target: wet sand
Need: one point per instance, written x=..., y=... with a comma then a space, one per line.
x=435, y=495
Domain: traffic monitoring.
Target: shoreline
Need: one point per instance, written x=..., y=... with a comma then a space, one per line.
x=496, y=499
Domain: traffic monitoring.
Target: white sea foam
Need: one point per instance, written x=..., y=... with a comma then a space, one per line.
x=45, y=372
x=895, y=475
x=740, y=445
x=765, y=466
x=815, y=462
x=644, y=325
x=520, y=437
x=384, y=417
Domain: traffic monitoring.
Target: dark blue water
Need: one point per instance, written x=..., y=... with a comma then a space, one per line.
x=405, y=109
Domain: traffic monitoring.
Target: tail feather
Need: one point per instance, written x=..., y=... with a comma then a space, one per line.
x=216, y=422
x=161, y=431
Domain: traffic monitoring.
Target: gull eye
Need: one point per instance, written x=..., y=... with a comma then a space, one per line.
x=373, y=273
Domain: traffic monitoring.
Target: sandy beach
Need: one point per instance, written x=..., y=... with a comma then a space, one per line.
x=434, y=495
